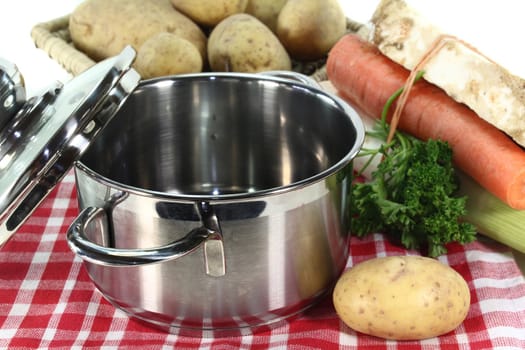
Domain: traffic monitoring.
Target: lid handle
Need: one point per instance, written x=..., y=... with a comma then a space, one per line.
x=12, y=91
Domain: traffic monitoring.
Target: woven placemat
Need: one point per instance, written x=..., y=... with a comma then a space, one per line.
x=54, y=38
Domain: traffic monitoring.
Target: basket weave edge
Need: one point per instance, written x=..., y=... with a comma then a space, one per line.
x=53, y=37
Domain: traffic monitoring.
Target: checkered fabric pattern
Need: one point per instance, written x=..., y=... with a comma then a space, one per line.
x=49, y=302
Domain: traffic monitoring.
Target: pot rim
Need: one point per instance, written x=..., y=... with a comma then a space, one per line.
x=350, y=112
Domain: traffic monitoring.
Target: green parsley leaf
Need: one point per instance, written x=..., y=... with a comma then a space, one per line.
x=412, y=194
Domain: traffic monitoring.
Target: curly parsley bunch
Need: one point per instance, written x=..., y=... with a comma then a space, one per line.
x=412, y=194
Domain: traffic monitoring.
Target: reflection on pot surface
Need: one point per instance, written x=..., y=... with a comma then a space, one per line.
x=218, y=202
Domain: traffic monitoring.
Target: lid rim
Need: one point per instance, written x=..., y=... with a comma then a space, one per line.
x=42, y=143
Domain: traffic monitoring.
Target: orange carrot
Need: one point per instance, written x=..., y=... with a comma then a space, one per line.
x=366, y=78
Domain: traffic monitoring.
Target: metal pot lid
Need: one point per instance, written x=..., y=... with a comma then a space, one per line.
x=42, y=140
x=12, y=91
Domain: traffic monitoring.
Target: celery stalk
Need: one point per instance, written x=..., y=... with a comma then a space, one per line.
x=491, y=216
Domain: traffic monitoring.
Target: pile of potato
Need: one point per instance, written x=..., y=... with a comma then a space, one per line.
x=190, y=36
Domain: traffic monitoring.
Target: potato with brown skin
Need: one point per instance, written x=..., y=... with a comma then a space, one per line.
x=242, y=43
x=102, y=28
x=309, y=28
x=402, y=298
x=266, y=11
x=167, y=54
x=209, y=13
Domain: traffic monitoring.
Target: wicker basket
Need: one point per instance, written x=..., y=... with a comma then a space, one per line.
x=53, y=37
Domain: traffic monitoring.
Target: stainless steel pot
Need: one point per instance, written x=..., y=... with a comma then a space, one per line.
x=218, y=202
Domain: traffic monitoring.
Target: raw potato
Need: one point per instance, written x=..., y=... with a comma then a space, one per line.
x=102, y=28
x=309, y=28
x=266, y=11
x=167, y=54
x=242, y=43
x=209, y=12
x=402, y=298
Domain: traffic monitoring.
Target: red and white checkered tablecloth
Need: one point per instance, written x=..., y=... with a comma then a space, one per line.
x=49, y=302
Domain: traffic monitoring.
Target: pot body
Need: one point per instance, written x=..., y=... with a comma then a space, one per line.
x=264, y=164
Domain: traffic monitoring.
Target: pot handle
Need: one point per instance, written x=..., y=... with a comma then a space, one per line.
x=293, y=76
x=92, y=252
